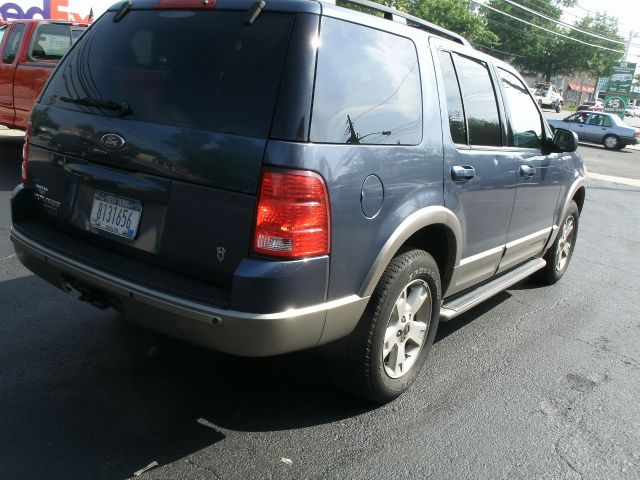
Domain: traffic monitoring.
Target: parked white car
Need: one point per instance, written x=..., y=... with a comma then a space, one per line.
x=632, y=111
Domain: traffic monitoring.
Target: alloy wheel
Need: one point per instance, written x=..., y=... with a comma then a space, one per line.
x=566, y=243
x=407, y=329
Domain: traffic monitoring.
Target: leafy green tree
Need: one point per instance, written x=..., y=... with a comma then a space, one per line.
x=526, y=46
x=457, y=16
x=454, y=15
x=594, y=61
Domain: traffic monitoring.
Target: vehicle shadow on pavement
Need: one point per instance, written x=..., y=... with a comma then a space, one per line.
x=595, y=146
x=86, y=395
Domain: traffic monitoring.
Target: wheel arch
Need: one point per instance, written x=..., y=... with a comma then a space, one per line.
x=579, y=196
x=433, y=229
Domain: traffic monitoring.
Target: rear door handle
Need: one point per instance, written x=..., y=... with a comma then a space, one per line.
x=527, y=170
x=462, y=172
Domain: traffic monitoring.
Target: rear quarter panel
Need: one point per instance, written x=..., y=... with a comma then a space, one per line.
x=412, y=178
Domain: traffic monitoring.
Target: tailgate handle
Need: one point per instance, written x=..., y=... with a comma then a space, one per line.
x=108, y=178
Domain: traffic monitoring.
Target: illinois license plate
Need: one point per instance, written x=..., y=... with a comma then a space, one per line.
x=114, y=214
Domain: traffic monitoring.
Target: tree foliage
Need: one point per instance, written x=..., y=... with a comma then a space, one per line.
x=539, y=51
x=454, y=15
x=595, y=61
x=525, y=46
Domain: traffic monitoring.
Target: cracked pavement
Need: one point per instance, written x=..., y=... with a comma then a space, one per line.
x=535, y=383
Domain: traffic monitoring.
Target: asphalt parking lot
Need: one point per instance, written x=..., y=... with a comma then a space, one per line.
x=535, y=383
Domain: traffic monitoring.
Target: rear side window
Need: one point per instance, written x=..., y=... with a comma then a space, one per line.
x=2, y=30
x=367, y=87
x=204, y=70
x=52, y=41
x=13, y=43
x=454, y=100
x=480, y=104
x=524, y=120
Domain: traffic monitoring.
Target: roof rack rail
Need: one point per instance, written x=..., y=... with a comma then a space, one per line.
x=410, y=20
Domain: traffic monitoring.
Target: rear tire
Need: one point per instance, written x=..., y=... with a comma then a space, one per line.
x=559, y=254
x=558, y=107
x=383, y=356
x=611, y=142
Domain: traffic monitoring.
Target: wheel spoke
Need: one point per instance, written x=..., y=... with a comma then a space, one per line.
x=398, y=359
x=568, y=228
x=417, y=333
x=389, y=343
x=401, y=304
x=416, y=298
x=566, y=249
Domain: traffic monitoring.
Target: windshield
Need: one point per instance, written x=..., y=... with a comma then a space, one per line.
x=205, y=70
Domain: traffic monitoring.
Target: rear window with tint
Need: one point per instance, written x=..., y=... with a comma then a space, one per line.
x=367, y=87
x=51, y=42
x=203, y=70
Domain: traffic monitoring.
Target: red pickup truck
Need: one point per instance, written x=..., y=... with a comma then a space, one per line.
x=29, y=51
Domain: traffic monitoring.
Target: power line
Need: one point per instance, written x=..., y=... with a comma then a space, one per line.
x=541, y=5
x=563, y=24
x=546, y=29
x=500, y=51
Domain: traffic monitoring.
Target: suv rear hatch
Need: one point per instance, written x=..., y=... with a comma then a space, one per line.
x=148, y=139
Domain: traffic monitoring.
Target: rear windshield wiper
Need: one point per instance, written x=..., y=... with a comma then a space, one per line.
x=122, y=108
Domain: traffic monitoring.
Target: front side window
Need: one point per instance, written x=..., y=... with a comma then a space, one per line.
x=524, y=120
x=480, y=104
x=13, y=43
x=2, y=30
x=52, y=41
x=367, y=87
x=580, y=117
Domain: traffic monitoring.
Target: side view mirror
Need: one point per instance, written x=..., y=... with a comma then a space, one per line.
x=564, y=140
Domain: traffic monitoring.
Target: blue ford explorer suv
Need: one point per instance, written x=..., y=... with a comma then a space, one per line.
x=261, y=178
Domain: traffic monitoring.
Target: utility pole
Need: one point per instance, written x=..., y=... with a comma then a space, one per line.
x=627, y=49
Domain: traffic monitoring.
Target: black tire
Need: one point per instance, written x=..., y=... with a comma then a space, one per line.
x=359, y=363
x=609, y=143
x=554, y=270
x=558, y=107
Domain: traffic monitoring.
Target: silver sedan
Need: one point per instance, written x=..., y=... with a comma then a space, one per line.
x=605, y=128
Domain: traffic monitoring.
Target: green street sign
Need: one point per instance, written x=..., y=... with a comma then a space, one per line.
x=616, y=104
x=621, y=77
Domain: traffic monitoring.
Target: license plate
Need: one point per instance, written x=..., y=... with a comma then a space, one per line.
x=114, y=214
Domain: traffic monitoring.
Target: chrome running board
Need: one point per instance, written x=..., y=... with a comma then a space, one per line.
x=469, y=300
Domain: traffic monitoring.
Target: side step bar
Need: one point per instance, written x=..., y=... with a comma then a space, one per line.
x=469, y=300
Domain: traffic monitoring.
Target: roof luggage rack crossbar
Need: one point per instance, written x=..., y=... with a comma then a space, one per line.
x=412, y=21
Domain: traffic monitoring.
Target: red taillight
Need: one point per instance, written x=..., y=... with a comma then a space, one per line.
x=637, y=134
x=25, y=155
x=293, y=215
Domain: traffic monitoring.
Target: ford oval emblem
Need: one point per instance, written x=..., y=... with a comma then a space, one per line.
x=113, y=141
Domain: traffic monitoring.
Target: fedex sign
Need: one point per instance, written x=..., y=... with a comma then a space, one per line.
x=74, y=10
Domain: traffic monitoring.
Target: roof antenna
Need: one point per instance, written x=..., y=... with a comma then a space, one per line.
x=254, y=11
